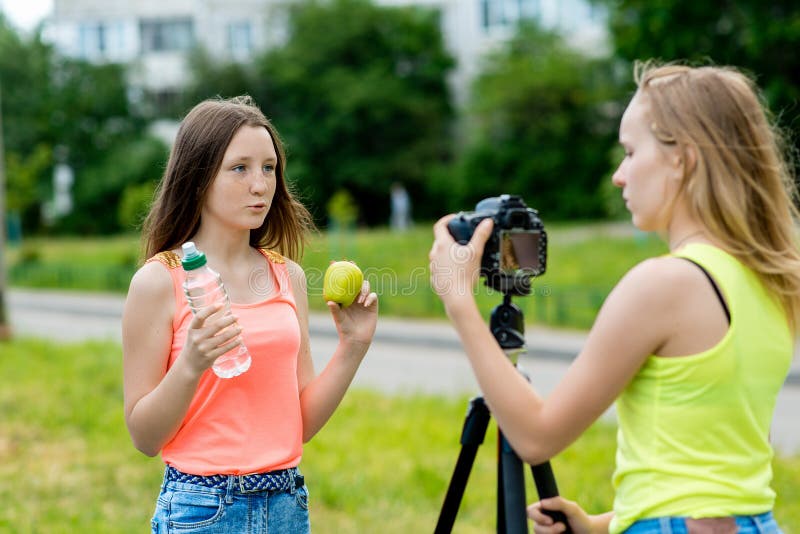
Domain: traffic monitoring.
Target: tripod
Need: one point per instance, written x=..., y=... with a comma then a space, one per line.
x=508, y=327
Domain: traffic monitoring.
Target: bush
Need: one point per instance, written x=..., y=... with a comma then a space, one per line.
x=134, y=205
x=539, y=128
x=133, y=165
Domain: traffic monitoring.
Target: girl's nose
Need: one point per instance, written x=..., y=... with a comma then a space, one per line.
x=258, y=184
x=617, y=178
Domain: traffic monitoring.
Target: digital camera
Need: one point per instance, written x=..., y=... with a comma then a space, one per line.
x=517, y=249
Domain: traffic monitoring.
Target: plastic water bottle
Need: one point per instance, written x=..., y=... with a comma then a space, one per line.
x=203, y=288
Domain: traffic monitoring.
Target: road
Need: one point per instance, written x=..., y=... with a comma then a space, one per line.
x=407, y=356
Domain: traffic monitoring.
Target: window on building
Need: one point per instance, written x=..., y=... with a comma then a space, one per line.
x=102, y=40
x=240, y=39
x=91, y=40
x=501, y=13
x=166, y=35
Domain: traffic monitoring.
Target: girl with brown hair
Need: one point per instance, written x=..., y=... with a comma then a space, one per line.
x=231, y=446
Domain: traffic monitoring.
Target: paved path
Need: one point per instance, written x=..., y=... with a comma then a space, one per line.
x=407, y=356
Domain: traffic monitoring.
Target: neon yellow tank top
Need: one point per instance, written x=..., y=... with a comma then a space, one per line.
x=693, y=435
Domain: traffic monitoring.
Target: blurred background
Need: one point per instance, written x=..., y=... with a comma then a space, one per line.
x=453, y=100
x=393, y=112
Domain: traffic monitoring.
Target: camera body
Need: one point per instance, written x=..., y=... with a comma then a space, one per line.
x=517, y=249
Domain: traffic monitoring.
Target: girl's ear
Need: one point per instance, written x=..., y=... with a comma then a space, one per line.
x=688, y=160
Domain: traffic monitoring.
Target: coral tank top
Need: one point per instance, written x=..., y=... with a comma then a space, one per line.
x=250, y=423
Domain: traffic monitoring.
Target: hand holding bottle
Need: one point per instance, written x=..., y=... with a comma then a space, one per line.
x=205, y=291
x=212, y=332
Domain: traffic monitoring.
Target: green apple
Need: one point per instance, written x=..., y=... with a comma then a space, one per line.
x=342, y=282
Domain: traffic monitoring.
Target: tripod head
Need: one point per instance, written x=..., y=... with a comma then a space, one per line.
x=508, y=324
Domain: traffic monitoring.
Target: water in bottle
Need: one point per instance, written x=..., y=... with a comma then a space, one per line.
x=203, y=288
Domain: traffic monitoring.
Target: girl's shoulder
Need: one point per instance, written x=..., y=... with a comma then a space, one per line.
x=661, y=280
x=151, y=290
x=155, y=277
x=663, y=269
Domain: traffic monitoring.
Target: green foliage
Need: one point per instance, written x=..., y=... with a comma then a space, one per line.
x=754, y=35
x=22, y=191
x=101, y=141
x=99, y=188
x=381, y=465
x=342, y=209
x=90, y=114
x=134, y=205
x=540, y=127
x=58, y=109
x=361, y=102
x=212, y=78
x=27, y=105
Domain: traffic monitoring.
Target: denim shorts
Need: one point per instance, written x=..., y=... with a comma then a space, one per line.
x=184, y=507
x=748, y=524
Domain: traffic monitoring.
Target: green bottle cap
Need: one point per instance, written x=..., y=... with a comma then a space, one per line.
x=192, y=258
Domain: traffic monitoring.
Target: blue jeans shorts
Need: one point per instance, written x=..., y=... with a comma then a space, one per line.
x=231, y=504
x=748, y=524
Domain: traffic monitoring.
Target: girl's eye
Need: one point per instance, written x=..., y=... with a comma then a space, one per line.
x=269, y=168
x=239, y=168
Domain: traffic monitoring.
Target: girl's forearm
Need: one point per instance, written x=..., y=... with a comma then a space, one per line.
x=156, y=417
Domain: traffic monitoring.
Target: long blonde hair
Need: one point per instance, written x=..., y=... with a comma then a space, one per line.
x=741, y=186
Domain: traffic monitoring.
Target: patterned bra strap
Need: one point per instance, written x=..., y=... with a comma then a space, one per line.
x=173, y=261
x=272, y=256
x=168, y=258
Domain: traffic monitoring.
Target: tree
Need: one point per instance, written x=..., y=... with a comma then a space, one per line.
x=101, y=139
x=751, y=34
x=73, y=112
x=27, y=97
x=5, y=328
x=128, y=167
x=540, y=127
x=361, y=103
x=212, y=78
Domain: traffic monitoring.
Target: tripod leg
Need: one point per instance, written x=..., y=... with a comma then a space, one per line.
x=546, y=487
x=475, y=424
x=511, y=502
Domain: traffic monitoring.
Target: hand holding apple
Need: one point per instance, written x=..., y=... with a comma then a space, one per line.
x=342, y=282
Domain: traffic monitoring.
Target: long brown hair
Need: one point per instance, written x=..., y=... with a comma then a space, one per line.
x=741, y=187
x=194, y=161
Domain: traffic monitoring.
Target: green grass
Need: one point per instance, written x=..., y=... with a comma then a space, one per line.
x=381, y=465
x=584, y=264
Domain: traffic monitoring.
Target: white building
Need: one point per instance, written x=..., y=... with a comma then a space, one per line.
x=154, y=36
x=471, y=28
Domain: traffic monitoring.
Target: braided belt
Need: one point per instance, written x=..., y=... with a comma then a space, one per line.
x=283, y=480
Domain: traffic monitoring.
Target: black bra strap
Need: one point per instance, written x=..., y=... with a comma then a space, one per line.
x=716, y=288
